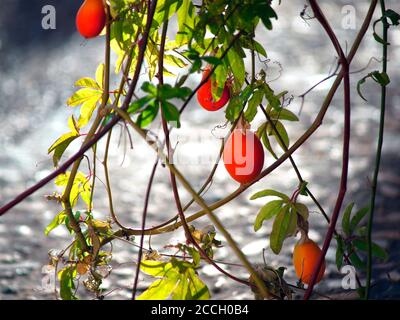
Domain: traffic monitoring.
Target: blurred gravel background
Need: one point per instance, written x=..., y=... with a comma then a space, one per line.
x=38, y=69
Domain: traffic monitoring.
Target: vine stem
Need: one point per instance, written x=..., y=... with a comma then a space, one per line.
x=108, y=183
x=378, y=153
x=260, y=284
x=315, y=125
x=67, y=192
x=208, y=76
x=346, y=143
x=301, y=180
x=92, y=138
x=144, y=216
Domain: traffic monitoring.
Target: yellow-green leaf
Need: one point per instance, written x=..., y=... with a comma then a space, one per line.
x=155, y=268
x=160, y=289
x=64, y=138
x=87, y=83
x=73, y=126
x=100, y=75
x=82, y=96
x=58, y=220
x=198, y=290
x=86, y=111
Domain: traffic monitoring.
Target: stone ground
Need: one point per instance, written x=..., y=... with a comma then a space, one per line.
x=38, y=69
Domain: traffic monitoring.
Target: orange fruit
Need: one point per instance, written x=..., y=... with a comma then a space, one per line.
x=91, y=18
x=305, y=258
x=205, y=97
x=243, y=156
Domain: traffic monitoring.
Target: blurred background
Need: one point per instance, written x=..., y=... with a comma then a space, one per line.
x=38, y=68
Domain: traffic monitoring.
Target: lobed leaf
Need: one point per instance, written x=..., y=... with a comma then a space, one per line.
x=270, y=192
x=267, y=212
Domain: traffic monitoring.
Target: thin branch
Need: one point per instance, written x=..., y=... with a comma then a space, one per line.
x=91, y=138
x=309, y=132
x=144, y=216
x=378, y=152
x=208, y=76
x=208, y=211
x=346, y=143
x=178, y=203
x=108, y=183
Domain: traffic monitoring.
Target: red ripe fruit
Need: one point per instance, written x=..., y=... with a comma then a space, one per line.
x=243, y=156
x=91, y=18
x=204, y=94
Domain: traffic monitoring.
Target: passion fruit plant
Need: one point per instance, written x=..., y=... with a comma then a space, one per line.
x=214, y=37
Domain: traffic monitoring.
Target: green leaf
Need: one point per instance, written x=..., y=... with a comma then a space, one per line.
x=346, y=219
x=267, y=145
x=218, y=81
x=340, y=250
x=167, y=92
x=267, y=212
x=195, y=255
x=273, y=100
x=293, y=222
x=362, y=231
x=211, y=60
x=302, y=210
x=186, y=21
x=380, y=77
x=253, y=104
x=283, y=114
x=357, y=262
x=150, y=88
x=359, y=215
x=237, y=66
x=58, y=220
x=393, y=16
x=266, y=14
x=233, y=109
x=171, y=114
x=67, y=286
x=270, y=193
x=377, y=251
x=139, y=104
x=253, y=44
x=281, y=228
x=282, y=138
x=148, y=115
